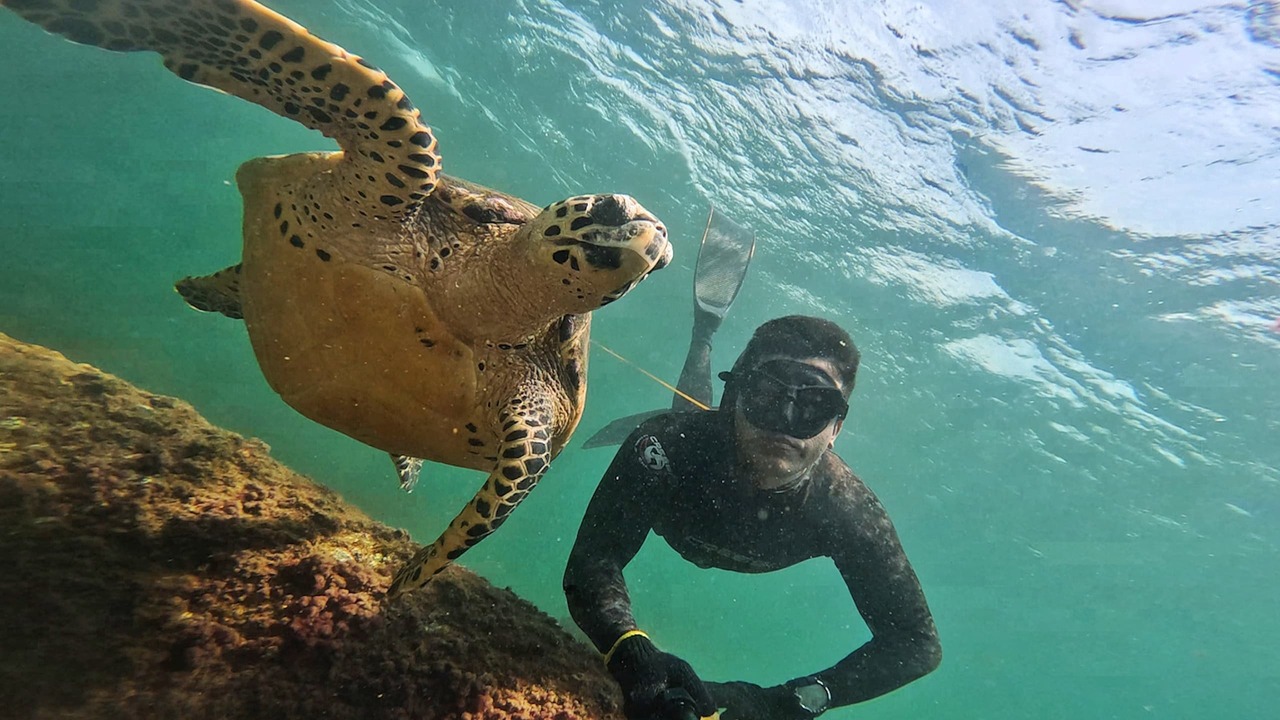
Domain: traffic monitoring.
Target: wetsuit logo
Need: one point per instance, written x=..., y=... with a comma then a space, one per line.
x=650, y=453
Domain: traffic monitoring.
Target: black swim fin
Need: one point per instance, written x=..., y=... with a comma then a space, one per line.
x=723, y=258
x=616, y=432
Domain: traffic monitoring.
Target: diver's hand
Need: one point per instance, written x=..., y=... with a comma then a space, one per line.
x=748, y=701
x=647, y=675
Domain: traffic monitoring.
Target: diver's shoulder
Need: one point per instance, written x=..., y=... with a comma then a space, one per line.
x=842, y=484
x=682, y=437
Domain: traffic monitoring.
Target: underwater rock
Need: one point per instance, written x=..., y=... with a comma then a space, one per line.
x=152, y=565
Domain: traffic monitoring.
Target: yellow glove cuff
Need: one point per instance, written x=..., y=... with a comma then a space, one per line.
x=630, y=633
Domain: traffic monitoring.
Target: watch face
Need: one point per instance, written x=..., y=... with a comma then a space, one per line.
x=813, y=697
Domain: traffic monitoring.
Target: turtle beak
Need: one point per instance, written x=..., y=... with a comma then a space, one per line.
x=665, y=258
x=606, y=242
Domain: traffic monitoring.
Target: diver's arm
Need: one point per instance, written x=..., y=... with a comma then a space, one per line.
x=654, y=683
x=904, y=645
x=616, y=523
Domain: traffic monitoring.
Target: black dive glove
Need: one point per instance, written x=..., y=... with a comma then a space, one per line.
x=657, y=685
x=748, y=701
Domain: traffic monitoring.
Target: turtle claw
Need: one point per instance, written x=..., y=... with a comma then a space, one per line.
x=415, y=573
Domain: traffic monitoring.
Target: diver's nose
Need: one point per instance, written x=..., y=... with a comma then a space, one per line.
x=789, y=410
x=612, y=210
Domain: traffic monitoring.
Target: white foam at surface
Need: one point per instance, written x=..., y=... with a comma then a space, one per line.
x=1166, y=127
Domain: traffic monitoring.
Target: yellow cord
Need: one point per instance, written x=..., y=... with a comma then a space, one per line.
x=651, y=376
x=630, y=633
x=711, y=212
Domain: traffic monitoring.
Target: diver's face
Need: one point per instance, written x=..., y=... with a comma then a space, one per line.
x=780, y=402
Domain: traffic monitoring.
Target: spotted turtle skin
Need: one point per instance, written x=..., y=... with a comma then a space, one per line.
x=418, y=313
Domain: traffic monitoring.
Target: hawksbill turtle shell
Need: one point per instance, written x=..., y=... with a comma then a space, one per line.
x=415, y=312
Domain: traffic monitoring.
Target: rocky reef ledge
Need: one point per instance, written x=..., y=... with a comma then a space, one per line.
x=155, y=566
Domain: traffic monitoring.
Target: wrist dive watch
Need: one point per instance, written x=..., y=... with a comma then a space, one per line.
x=812, y=694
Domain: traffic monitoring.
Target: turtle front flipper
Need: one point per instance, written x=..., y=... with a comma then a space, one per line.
x=524, y=454
x=242, y=48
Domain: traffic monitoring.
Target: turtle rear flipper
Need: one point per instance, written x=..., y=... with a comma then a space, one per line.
x=242, y=48
x=219, y=292
x=408, y=469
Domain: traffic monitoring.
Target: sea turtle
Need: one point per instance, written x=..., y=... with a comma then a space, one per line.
x=415, y=312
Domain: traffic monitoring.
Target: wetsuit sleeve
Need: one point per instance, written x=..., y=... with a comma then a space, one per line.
x=904, y=644
x=617, y=521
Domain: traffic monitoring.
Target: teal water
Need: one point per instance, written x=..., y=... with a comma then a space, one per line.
x=1052, y=229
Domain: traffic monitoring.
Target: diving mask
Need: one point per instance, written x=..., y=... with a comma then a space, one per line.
x=789, y=397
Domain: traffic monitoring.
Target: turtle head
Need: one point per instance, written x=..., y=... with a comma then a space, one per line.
x=594, y=248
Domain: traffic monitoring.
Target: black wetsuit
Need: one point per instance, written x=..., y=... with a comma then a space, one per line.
x=675, y=475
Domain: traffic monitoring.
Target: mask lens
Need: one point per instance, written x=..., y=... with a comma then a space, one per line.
x=791, y=398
